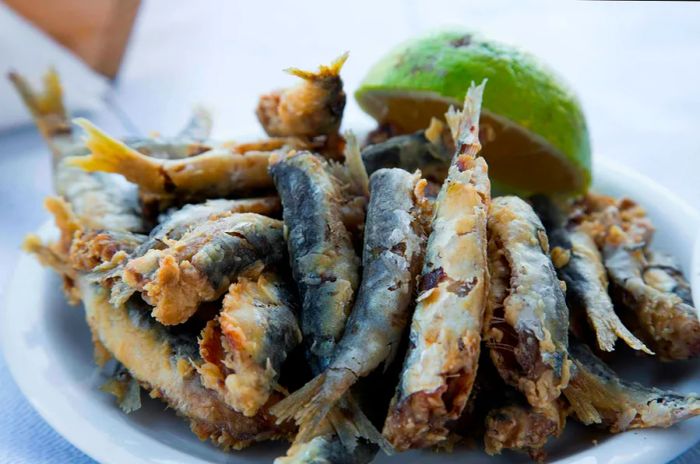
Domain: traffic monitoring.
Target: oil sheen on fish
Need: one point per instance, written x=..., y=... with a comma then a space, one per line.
x=244, y=347
x=598, y=396
x=200, y=266
x=394, y=241
x=527, y=314
x=445, y=336
x=324, y=264
x=580, y=265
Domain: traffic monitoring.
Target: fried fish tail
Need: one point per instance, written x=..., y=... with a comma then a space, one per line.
x=324, y=71
x=199, y=125
x=598, y=396
x=111, y=155
x=47, y=110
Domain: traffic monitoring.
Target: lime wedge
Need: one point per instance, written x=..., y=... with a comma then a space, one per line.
x=533, y=130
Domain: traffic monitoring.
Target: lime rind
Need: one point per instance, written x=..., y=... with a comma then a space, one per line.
x=520, y=88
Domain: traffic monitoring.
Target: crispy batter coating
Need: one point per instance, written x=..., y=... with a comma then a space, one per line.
x=314, y=107
x=200, y=266
x=245, y=345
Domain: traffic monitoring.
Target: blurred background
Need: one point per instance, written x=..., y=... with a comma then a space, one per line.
x=140, y=66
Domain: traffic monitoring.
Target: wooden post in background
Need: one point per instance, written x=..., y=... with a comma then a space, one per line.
x=95, y=30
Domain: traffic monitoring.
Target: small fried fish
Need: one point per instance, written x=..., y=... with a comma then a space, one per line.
x=394, y=243
x=200, y=266
x=445, y=336
x=527, y=317
x=245, y=345
x=580, y=265
x=430, y=151
x=324, y=264
x=598, y=396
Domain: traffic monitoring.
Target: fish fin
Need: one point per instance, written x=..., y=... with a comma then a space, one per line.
x=290, y=407
x=46, y=107
x=355, y=166
x=111, y=155
x=464, y=124
x=351, y=423
x=324, y=72
x=199, y=125
x=434, y=131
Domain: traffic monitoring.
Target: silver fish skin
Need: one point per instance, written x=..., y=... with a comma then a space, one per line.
x=327, y=449
x=598, y=396
x=527, y=318
x=394, y=243
x=324, y=264
x=428, y=150
x=580, y=265
x=245, y=345
x=664, y=274
x=200, y=266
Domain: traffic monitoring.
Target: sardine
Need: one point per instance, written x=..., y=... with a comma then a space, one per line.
x=580, y=265
x=445, y=335
x=327, y=449
x=160, y=361
x=598, y=396
x=314, y=107
x=200, y=266
x=527, y=317
x=394, y=242
x=666, y=322
x=244, y=347
x=215, y=173
x=430, y=151
x=323, y=261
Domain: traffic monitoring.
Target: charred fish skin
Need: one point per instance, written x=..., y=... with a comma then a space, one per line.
x=245, y=345
x=580, y=265
x=426, y=150
x=527, y=319
x=446, y=329
x=160, y=362
x=395, y=235
x=200, y=266
x=598, y=396
x=323, y=261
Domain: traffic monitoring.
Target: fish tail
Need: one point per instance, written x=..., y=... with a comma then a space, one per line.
x=324, y=72
x=110, y=155
x=199, y=125
x=351, y=423
x=46, y=107
x=354, y=164
x=291, y=406
x=464, y=124
x=628, y=337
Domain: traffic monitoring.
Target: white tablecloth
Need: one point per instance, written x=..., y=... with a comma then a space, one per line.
x=635, y=65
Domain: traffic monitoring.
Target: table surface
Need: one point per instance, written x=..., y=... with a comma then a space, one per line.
x=634, y=65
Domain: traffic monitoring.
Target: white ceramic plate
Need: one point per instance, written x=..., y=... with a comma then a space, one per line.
x=48, y=350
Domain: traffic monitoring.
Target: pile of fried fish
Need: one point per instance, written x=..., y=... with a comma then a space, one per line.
x=351, y=299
